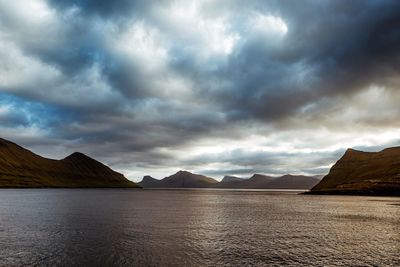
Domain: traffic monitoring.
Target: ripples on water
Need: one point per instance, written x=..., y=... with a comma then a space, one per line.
x=196, y=228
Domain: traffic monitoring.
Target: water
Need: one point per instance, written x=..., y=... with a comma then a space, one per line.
x=116, y=227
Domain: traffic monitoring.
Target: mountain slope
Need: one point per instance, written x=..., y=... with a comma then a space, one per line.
x=365, y=173
x=20, y=167
x=181, y=179
x=259, y=181
x=184, y=179
x=229, y=182
x=149, y=181
x=230, y=179
x=293, y=182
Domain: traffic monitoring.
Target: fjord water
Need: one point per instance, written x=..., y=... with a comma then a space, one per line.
x=107, y=227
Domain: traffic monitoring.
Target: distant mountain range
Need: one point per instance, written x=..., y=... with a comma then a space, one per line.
x=184, y=179
x=363, y=173
x=20, y=167
x=356, y=173
x=181, y=179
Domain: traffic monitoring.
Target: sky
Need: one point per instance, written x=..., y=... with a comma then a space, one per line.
x=213, y=87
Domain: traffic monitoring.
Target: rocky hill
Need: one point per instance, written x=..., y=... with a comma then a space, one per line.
x=259, y=181
x=184, y=179
x=20, y=167
x=294, y=182
x=181, y=179
x=231, y=179
x=363, y=173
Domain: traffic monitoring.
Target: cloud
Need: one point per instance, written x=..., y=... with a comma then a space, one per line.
x=210, y=86
x=104, y=8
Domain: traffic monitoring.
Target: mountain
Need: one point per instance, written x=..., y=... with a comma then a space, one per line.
x=293, y=182
x=181, y=179
x=149, y=181
x=230, y=179
x=20, y=167
x=259, y=181
x=229, y=182
x=184, y=179
x=363, y=173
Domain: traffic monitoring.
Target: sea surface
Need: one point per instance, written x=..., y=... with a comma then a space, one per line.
x=125, y=227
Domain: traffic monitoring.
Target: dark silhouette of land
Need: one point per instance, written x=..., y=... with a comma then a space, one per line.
x=184, y=179
x=363, y=173
x=181, y=179
x=230, y=179
x=356, y=173
x=20, y=167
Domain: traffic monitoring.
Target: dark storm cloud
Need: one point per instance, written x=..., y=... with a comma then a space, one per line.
x=364, y=48
x=134, y=77
x=105, y=8
x=345, y=48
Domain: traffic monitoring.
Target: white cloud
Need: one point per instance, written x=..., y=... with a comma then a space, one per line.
x=142, y=45
x=19, y=71
x=31, y=23
x=268, y=25
x=196, y=32
x=22, y=74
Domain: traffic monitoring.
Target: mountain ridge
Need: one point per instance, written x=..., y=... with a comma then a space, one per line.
x=230, y=178
x=363, y=173
x=181, y=179
x=20, y=167
x=256, y=181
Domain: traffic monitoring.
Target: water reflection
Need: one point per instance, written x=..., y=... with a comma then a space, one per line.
x=195, y=228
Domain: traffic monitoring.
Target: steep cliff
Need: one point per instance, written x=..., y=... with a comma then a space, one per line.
x=364, y=173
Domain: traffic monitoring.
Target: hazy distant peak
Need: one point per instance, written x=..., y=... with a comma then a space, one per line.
x=148, y=178
x=230, y=178
x=261, y=176
x=183, y=172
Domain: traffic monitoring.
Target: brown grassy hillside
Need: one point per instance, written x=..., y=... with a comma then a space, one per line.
x=20, y=167
x=366, y=173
